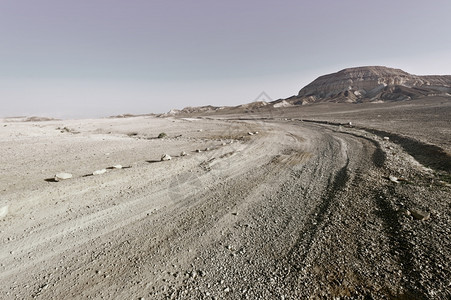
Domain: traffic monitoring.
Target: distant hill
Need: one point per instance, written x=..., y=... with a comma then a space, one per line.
x=374, y=83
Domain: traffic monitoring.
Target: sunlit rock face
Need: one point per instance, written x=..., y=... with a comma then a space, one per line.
x=372, y=84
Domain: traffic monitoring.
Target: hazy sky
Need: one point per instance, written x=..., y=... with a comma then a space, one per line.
x=91, y=58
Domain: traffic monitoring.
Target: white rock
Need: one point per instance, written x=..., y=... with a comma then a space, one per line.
x=117, y=166
x=256, y=132
x=99, y=172
x=165, y=157
x=224, y=144
x=4, y=211
x=386, y=138
x=183, y=153
x=197, y=150
x=200, y=130
x=62, y=176
x=393, y=179
x=250, y=133
x=207, y=149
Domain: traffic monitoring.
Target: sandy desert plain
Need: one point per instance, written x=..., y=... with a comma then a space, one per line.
x=307, y=208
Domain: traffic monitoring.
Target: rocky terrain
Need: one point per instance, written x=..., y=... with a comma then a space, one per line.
x=266, y=200
x=285, y=203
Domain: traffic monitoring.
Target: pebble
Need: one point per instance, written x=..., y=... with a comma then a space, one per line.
x=183, y=153
x=250, y=133
x=62, y=176
x=117, y=166
x=386, y=138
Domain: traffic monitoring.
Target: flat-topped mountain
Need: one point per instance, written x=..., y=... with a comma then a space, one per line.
x=373, y=83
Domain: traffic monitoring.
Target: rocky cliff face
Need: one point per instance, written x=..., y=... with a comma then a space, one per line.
x=371, y=84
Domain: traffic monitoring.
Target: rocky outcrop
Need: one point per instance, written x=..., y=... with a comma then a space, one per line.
x=370, y=84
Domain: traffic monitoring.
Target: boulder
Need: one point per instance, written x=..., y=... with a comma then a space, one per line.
x=419, y=214
x=99, y=172
x=117, y=167
x=183, y=153
x=165, y=157
x=4, y=211
x=393, y=179
x=62, y=176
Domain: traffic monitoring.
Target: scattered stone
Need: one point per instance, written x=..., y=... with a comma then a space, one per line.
x=165, y=157
x=117, y=166
x=162, y=135
x=183, y=153
x=420, y=215
x=62, y=176
x=198, y=150
x=4, y=211
x=207, y=149
x=224, y=144
x=350, y=123
x=226, y=290
x=386, y=138
x=393, y=179
x=405, y=211
x=200, y=130
x=250, y=133
x=256, y=132
x=99, y=172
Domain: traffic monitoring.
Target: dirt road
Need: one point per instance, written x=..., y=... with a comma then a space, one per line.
x=299, y=210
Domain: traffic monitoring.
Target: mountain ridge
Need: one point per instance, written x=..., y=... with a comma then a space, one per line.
x=351, y=85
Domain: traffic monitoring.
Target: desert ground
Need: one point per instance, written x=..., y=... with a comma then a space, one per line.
x=329, y=201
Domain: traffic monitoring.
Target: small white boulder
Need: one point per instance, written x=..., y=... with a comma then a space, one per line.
x=99, y=172
x=165, y=157
x=4, y=211
x=386, y=138
x=117, y=167
x=62, y=176
x=393, y=179
x=250, y=133
x=183, y=153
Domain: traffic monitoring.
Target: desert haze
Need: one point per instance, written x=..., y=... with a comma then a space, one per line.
x=341, y=191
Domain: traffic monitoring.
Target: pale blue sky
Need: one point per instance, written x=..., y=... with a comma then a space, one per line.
x=93, y=58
